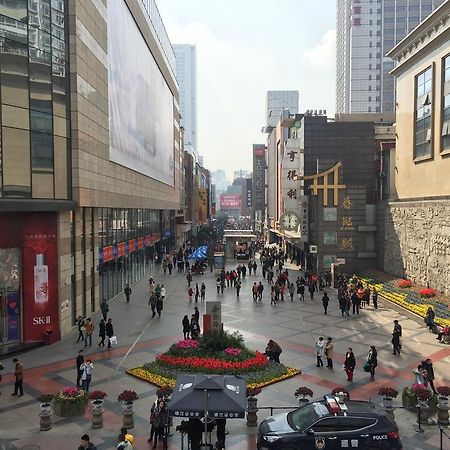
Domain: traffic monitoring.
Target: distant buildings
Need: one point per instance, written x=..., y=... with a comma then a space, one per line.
x=186, y=71
x=366, y=31
x=276, y=102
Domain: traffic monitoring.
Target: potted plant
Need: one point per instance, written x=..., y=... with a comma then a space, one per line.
x=127, y=398
x=388, y=394
x=443, y=416
x=70, y=402
x=341, y=393
x=252, y=406
x=444, y=392
x=301, y=393
x=97, y=398
x=422, y=394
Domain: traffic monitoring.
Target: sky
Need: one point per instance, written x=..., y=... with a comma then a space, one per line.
x=245, y=48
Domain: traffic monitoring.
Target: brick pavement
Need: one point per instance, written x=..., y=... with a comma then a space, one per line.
x=294, y=325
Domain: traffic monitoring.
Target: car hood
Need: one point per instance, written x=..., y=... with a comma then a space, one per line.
x=276, y=424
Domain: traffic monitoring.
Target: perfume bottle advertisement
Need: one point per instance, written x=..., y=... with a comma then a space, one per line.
x=40, y=276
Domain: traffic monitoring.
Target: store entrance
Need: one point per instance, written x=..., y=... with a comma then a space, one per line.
x=10, y=296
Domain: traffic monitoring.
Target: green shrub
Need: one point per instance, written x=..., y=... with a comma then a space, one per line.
x=218, y=341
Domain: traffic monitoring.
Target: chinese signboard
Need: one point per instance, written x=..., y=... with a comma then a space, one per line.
x=259, y=178
x=202, y=205
x=230, y=201
x=249, y=192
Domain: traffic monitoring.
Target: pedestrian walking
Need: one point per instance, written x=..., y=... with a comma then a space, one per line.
x=152, y=303
x=301, y=291
x=189, y=278
x=194, y=328
x=163, y=292
x=86, y=443
x=355, y=302
x=79, y=361
x=255, y=267
x=164, y=265
x=190, y=293
x=170, y=267
x=427, y=365
x=109, y=331
x=260, y=291
x=325, y=301
x=273, y=298
x=291, y=291
x=86, y=376
x=186, y=326
x=80, y=325
x=197, y=314
x=202, y=292
x=18, y=373
x=160, y=422
x=159, y=305
x=273, y=351
x=89, y=330
x=396, y=335
x=329, y=352
x=197, y=292
x=349, y=364
x=218, y=283
x=255, y=292
x=320, y=351
x=429, y=319
x=238, y=286
x=102, y=332
x=104, y=308
x=311, y=289
x=372, y=361
x=127, y=292
x=375, y=298
x=221, y=433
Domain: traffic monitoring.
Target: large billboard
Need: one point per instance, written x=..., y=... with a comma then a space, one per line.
x=140, y=101
x=259, y=179
x=230, y=201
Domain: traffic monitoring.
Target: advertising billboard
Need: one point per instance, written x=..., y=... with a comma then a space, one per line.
x=230, y=201
x=140, y=101
x=202, y=205
x=259, y=179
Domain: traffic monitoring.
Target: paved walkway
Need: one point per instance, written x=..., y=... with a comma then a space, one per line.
x=295, y=326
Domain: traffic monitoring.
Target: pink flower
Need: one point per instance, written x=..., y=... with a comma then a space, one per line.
x=232, y=351
x=187, y=343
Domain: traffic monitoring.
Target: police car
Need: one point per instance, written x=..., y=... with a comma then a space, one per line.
x=330, y=424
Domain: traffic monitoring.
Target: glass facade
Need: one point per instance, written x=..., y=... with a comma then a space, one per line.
x=33, y=95
x=128, y=240
x=424, y=99
x=446, y=104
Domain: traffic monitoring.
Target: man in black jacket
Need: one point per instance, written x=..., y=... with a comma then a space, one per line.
x=109, y=331
x=80, y=360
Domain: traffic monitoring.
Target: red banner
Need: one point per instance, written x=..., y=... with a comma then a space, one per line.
x=141, y=242
x=131, y=246
x=108, y=253
x=230, y=201
x=40, y=278
x=121, y=249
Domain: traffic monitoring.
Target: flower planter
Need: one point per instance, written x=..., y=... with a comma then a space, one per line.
x=409, y=402
x=303, y=401
x=97, y=413
x=443, y=401
x=46, y=408
x=45, y=414
x=388, y=402
x=128, y=414
x=443, y=416
x=70, y=409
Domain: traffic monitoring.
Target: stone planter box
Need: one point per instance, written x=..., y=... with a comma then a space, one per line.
x=70, y=409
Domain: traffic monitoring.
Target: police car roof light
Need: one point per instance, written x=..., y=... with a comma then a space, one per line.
x=332, y=405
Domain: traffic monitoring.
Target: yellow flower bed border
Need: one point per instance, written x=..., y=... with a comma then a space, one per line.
x=400, y=300
x=160, y=381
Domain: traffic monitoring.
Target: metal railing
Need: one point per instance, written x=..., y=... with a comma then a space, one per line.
x=272, y=408
x=442, y=433
x=160, y=30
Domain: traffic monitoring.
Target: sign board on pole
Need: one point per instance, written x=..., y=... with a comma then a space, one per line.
x=313, y=249
x=340, y=261
x=214, y=309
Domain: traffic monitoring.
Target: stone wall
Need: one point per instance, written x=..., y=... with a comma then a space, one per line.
x=417, y=242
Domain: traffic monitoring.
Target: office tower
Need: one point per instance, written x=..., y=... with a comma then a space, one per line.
x=186, y=56
x=276, y=101
x=366, y=31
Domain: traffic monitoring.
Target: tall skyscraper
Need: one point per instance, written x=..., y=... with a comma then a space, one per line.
x=186, y=68
x=276, y=101
x=366, y=31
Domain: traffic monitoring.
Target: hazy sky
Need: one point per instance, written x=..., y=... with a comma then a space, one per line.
x=245, y=48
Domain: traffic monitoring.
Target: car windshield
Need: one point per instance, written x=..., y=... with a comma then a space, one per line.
x=303, y=418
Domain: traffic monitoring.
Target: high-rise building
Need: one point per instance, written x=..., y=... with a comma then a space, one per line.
x=186, y=56
x=276, y=102
x=366, y=31
x=241, y=174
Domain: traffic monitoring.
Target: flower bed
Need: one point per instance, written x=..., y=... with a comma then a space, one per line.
x=410, y=299
x=215, y=357
x=70, y=402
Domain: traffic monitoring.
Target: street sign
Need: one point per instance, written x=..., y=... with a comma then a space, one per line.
x=313, y=249
x=340, y=261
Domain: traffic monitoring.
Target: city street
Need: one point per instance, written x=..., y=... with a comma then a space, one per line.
x=295, y=326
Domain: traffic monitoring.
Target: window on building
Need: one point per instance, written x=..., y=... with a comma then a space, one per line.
x=446, y=105
x=423, y=132
x=330, y=237
x=357, y=21
x=357, y=10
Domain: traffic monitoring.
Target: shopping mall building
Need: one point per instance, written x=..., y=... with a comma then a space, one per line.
x=89, y=157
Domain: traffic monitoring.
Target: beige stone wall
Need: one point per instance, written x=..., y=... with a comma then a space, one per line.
x=417, y=242
x=426, y=178
x=96, y=180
